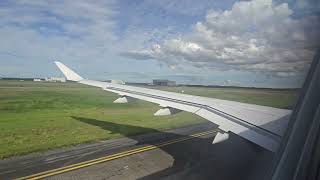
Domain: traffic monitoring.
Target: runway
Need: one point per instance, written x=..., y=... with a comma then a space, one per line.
x=183, y=153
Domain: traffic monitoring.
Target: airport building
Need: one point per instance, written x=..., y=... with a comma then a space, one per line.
x=163, y=82
x=55, y=79
x=115, y=81
x=37, y=80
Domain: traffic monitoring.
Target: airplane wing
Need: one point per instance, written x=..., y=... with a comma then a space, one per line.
x=259, y=124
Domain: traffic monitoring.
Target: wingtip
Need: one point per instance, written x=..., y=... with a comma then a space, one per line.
x=68, y=73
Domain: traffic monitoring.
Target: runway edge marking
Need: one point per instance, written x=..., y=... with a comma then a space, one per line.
x=110, y=157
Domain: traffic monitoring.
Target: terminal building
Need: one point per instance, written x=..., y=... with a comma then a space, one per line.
x=163, y=82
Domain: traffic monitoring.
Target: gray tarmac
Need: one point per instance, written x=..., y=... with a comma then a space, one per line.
x=195, y=158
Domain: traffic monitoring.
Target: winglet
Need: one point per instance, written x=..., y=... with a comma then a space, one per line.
x=68, y=73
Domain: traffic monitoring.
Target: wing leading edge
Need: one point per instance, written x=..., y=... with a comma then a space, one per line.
x=259, y=124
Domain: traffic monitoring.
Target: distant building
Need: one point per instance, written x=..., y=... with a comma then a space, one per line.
x=37, y=80
x=163, y=82
x=55, y=79
x=114, y=81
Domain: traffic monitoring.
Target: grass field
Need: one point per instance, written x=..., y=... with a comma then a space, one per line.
x=37, y=116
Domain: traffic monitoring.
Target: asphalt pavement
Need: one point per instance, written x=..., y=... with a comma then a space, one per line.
x=183, y=153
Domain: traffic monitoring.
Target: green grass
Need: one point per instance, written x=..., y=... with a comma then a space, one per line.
x=37, y=116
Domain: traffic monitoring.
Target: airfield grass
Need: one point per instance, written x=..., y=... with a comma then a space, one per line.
x=38, y=116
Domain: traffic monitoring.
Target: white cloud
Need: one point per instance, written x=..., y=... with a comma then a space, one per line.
x=38, y=30
x=189, y=7
x=253, y=36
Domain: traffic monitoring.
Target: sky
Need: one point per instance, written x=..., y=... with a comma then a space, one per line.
x=260, y=43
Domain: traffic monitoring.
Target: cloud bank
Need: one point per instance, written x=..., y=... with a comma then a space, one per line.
x=253, y=36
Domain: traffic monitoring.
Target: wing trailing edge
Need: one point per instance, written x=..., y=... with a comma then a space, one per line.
x=261, y=125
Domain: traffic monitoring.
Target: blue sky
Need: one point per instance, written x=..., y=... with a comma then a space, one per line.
x=248, y=43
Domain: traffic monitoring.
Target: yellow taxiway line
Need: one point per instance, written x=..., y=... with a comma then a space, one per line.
x=111, y=157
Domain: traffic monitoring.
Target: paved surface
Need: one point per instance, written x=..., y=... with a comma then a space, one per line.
x=193, y=158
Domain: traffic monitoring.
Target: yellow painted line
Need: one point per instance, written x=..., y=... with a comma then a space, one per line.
x=110, y=157
x=144, y=147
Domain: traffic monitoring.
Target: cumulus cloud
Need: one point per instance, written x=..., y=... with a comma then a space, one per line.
x=253, y=36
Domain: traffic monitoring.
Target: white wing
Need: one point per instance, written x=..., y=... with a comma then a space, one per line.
x=260, y=124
